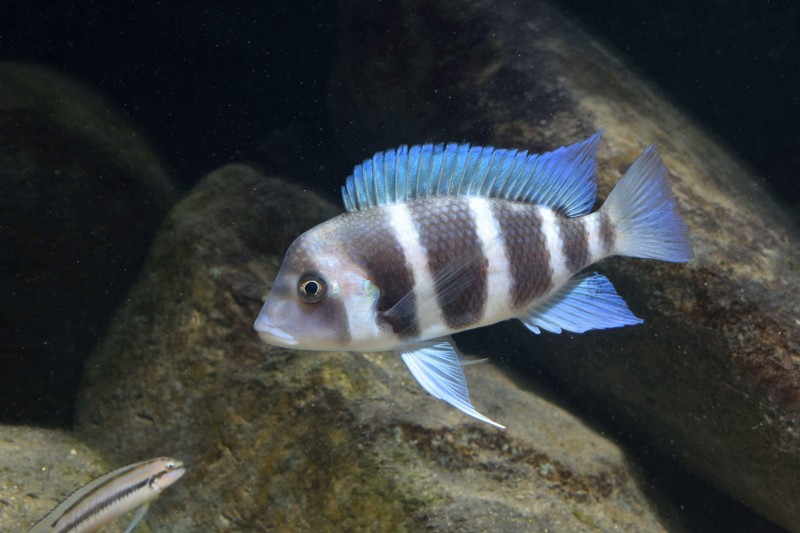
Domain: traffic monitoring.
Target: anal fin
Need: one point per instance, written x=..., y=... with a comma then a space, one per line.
x=585, y=302
x=437, y=367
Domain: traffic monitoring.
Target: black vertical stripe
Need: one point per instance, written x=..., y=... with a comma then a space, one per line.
x=372, y=242
x=575, y=242
x=456, y=259
x=526, y=251
x=607, y=234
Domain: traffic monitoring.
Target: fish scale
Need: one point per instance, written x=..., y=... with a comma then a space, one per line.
x=441, y=238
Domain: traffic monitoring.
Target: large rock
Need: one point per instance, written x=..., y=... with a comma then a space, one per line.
x=81, y=195
x=713, y=378
x=284, y=440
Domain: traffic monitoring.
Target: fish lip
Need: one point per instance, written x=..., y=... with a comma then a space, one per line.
x=272, y=335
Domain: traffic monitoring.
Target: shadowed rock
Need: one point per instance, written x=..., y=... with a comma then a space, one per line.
x=81, y=195
x=712, y=378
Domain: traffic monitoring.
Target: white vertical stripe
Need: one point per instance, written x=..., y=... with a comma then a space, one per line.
x=591, y=225
x=555, y=245
x=362, y=319
x=499, y=281
x=429, y=315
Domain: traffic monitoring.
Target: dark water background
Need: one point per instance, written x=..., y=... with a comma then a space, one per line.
x=210, y=82
x=213, y=82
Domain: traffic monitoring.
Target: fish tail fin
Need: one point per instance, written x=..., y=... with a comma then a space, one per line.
x=643, y=212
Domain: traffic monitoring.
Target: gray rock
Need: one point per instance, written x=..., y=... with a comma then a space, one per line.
x=283, y=440
x=81, y=195
x=712, y=378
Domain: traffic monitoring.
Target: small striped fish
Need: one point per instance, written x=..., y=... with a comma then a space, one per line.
x=439, y=239
x=112, y=495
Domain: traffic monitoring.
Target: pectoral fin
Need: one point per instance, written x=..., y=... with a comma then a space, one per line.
x=437, y=367
x=137, y=516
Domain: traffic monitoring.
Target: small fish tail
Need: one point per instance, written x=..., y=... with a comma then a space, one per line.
x=643, y=212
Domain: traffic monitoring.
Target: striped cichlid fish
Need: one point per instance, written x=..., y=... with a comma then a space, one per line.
x=439, y=239
x=112, y=495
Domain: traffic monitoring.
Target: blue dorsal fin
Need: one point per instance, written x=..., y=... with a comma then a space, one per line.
x=564, y=179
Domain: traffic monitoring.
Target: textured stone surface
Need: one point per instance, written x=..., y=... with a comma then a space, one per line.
x=38, y=469
x=81, y=195
x=302, y=441
x=713, y=377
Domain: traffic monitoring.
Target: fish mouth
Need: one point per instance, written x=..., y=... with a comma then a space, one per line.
x=167, y=479
x=273, y=335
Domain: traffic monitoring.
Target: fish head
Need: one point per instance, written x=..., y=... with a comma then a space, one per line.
x=166, y=471
x=320, y=300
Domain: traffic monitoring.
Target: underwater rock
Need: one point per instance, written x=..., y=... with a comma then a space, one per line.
x=713, y=377
x=38, y=469
x=284, y=440
x=81, y=195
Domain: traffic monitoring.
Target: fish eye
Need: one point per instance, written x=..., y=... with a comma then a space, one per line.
x=312, y=288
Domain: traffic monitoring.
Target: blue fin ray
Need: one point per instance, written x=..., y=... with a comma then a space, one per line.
x=585, y=302
x=437, y=367
x=379, y=183
x=389, y=160
x=359, y=185
x=564, y=179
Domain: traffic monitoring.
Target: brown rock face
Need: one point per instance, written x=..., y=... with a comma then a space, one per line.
x=713, y=378
x=80, y=198
x=283, y=440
